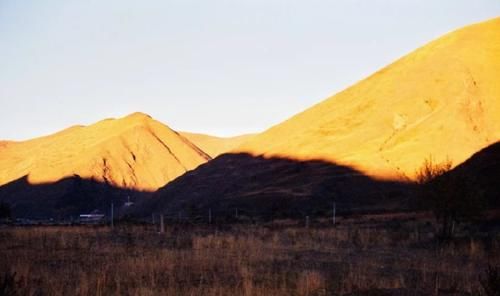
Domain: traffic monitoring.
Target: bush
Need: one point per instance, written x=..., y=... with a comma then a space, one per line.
x=452, y=196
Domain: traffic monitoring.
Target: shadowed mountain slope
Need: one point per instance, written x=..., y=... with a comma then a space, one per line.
x=274, y=187
x=134, y=152
x=265, y=188
x=442, y=100
x=261, y=188
x=483, y=169
x=65, y=198
x=215, y=146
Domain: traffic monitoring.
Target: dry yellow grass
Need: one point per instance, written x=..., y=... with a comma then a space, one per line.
x=441, y=100
x=361, y=256
x=134, y=152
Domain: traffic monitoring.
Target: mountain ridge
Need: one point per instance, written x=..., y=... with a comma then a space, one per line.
x=214, y=145
x=440, y=101
x=368, y=125
x=116, y=151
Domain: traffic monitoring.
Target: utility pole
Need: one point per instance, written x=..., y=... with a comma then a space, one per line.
x=112, y=216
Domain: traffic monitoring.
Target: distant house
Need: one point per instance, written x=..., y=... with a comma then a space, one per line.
x=93, y=218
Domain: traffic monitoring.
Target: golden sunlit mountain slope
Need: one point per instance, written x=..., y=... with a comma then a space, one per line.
x=215, y=146
x=442, y=100
x=134, y=152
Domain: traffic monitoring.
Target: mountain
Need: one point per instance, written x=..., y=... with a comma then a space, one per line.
x=442, y=100
x=482, y=170
x=215, y=146
x=263, y=188
x=134, y=153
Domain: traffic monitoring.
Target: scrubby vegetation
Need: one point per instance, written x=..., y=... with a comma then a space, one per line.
x=368, y=255
x=453, y=197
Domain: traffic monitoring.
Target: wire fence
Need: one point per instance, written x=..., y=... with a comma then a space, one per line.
x=237, y=215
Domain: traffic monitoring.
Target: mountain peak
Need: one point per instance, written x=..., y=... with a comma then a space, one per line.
x=138, y=116
x=134, y=151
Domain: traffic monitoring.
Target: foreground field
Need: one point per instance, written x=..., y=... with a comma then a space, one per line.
x=362, y=256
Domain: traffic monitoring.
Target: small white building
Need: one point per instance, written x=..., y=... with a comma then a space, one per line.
x=93, y=218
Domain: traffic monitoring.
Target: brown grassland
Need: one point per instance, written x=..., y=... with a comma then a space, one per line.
x=359, y=256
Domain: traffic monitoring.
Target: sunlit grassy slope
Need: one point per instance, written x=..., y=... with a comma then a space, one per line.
x=214, y=146
x=134, y=152
x=442, y=100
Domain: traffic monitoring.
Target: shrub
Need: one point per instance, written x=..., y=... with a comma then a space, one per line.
x=452, y=196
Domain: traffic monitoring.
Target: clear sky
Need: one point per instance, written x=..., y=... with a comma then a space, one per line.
x=223, y=67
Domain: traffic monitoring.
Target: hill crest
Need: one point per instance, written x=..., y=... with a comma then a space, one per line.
x=135, y=152
x=442, y=100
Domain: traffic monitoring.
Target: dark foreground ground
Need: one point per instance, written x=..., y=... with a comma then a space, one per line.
x=360, y=256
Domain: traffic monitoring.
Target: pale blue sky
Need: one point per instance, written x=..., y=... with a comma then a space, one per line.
x=220, y=67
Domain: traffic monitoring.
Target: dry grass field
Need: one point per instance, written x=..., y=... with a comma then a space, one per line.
x=360, y=256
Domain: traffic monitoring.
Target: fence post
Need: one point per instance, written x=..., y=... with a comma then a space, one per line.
x=162, y=225
x=334, y=212
x=209, y=216
x=307, y=221
x=112, y=216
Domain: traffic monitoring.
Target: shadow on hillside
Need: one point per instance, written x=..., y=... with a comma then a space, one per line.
x=268, y=188
x=65, y=198
x=241, y=184
x=484, y=168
